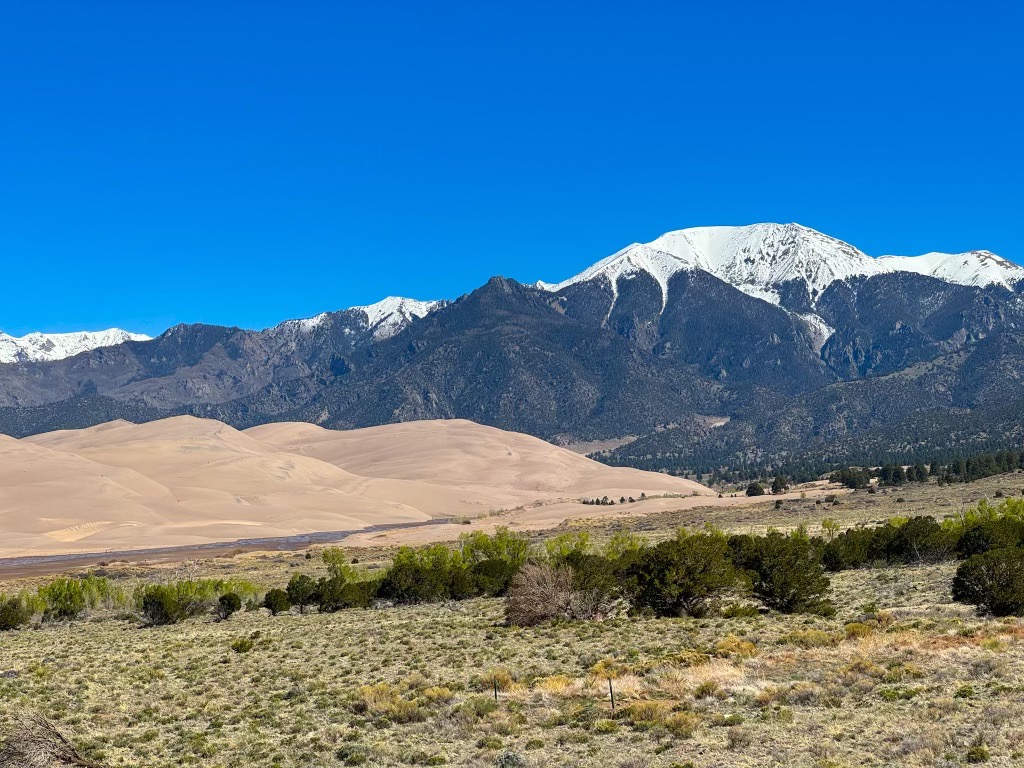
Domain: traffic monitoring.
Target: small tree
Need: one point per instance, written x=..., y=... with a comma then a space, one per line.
x=337, y=563
x=424, y=575
x=276, y=601
x=228, y=604
x=785, y=571
x=680, y=576
x=755, y=489
x=301, y=591
x=493, y=577
x=780, y=484
x=992, y=581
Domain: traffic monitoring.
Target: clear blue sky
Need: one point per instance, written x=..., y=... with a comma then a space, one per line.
x=246, y=162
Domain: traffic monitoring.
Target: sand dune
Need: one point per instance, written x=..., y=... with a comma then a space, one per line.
x=186, y=481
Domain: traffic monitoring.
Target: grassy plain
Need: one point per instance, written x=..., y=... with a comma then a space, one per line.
x=899, y=676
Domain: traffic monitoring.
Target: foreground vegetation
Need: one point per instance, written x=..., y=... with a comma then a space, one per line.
x=898, y=675
x=889, y=671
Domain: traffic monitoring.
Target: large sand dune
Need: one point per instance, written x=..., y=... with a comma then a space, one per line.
x=187, y=481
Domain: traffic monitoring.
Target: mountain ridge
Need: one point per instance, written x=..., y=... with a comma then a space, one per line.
x=798, y=350
x=755, y=258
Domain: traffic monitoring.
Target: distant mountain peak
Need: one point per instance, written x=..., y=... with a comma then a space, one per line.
x=759, y=257
x=45, y=347
x=383, y=318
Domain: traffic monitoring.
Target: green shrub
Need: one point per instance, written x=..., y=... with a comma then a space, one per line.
x=992, y=581
x=228, y=604
x=785, y=571
x=276, y=601
x=337, y=563
x=755, y=489
x=65, y=598
x=850, y=549
x=561, y=547
x=493, y=577
x=161, y=605
x=301, y=591
x=919, y=539
x=503, y=545
x=352, y=754
x=425, y=575
x=14, y=612
x=337, y=593
x=510, y=760
x=243, y=645
x=681, y=576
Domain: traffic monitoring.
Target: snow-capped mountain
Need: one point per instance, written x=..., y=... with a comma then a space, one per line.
x=388, y=316
x=383, y=319
x=39, y=347
x=757, y=259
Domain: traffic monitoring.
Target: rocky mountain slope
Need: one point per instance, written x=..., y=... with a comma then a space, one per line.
x=794, y=341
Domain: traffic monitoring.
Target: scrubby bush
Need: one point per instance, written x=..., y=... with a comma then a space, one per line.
x=503, y=545
x=755, y=489
x=991, y=534
x=65, y=598
x=849, y=549
x=228, y=604
x=161, y=605
x=29, y=740
x=276, y=601
x=69, y=598
x=785, y=571
x=174, y=602
x=567, y=544
x=681, y=576
x=493, y=577
x=426, y=575
x=992, y=581
x=14, y=612
x=919, y=539
x=539, y=592
x=851, y=477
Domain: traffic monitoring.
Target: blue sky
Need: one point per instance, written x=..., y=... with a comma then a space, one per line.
x=246, y=162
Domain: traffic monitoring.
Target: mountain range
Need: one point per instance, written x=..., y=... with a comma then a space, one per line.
x=705, y=347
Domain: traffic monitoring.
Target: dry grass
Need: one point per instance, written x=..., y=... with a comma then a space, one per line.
x=919, y=682
x=413, y=685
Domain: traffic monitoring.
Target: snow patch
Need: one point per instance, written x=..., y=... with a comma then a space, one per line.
x=820, y=330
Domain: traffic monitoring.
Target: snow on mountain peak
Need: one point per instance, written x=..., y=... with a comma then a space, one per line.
x=45, y=347
x=757, y=258
x=388, y=316
x=978, y=268
x=384, y=318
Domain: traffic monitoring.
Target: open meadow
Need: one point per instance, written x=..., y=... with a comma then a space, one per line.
x=899, y=674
